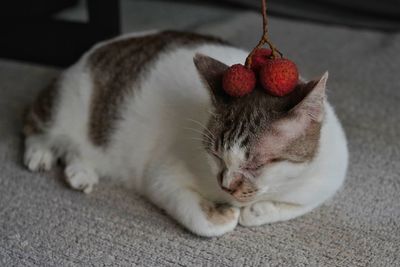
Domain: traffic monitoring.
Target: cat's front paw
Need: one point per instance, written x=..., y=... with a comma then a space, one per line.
x=38, y=158
x=268, y=212
x=219, y=219
x=259, y=213
x=81, y=177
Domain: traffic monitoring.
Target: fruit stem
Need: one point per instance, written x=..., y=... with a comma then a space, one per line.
x=264, y=38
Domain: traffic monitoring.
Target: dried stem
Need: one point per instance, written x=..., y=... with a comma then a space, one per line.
x=264, y=39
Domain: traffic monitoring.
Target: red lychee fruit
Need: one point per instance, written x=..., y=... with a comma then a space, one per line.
x=259, y=58
x=238, y=80
x=279, y=76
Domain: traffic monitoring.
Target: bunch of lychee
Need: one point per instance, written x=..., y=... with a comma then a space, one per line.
x=277, y=75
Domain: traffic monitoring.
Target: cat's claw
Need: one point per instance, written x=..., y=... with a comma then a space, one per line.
x=80, y=177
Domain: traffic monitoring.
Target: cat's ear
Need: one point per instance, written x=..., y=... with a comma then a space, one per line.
x=308, y=113
x=312, y=105
x=211, y=71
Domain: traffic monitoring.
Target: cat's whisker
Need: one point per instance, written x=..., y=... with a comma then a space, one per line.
x=211, y=138
x=200, y=140
x=203, y=134
x=211, y=113
x=202, y=125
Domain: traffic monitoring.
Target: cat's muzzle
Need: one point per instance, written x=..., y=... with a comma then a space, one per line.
x=238, y=186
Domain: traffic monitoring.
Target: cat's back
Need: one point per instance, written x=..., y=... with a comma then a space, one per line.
x=93, y=91
x=149, y=78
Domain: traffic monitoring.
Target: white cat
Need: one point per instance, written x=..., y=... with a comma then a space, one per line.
x=150, y=109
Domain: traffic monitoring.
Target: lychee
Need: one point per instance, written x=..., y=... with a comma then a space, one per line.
x=238, y=80
x=259, y=58
x=279, y=76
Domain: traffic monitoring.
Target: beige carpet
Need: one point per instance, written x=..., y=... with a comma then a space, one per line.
x=43, y=223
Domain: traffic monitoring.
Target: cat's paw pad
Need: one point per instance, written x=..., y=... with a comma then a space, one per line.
x=220, y=218
x=38, y=159
x=81, y=178
x=258, y=213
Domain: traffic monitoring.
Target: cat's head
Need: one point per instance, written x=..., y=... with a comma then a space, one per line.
x=258, y=143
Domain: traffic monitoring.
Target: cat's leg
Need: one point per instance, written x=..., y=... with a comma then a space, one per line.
x=81, y=176
x=52, y=131
x=189, y=208
x=38, y=155
x=292, y=204
x=42, y=150
x=79, y=173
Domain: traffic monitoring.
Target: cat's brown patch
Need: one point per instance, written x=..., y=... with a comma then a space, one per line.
x=218, y=213
x=41, y=112
x=305, y=147
x=310, y=112
x=118, y=66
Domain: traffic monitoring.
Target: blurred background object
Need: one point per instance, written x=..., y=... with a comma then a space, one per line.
x=30, y=32
x=375, y=14
x=58, y=32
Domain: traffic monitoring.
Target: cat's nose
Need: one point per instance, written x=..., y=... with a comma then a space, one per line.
x=232, y=183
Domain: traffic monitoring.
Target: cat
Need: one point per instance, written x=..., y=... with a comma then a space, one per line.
x=150, y=108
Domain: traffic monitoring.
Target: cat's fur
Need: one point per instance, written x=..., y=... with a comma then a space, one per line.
x=151, y=109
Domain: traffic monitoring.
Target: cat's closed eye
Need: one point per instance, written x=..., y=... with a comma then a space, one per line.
x=218, y=158
x=254, y=168
x=258, y=167
x=275, y=160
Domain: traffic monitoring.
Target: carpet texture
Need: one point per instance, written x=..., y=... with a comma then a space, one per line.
x=44, y=223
